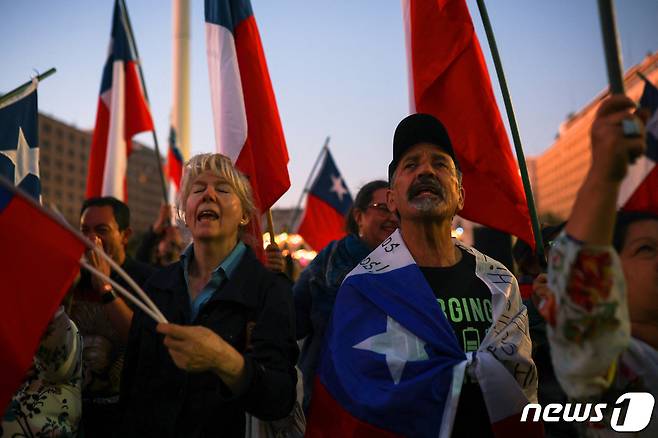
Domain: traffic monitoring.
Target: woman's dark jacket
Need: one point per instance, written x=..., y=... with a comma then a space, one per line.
x=315, y=294
x=253, y=311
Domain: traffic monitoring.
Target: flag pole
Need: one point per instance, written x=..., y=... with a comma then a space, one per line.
x=611, y=46
x=539, y=245
x=16, y=91
x=270, y=226
x=133, y=45
x=296, y=211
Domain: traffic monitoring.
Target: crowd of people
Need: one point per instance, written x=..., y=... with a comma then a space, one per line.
x=242, y=344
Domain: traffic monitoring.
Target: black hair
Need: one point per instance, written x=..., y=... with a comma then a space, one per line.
x=361, y=202
x=120, y=209
x=624, y=220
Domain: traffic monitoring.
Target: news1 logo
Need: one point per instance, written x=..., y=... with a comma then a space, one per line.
x=639, y=406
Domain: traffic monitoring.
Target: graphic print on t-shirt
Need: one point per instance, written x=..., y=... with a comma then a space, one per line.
x=464, y=299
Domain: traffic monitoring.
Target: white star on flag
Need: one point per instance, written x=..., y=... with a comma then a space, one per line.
x=25, y=159
x=399, y=346
x=338, y=187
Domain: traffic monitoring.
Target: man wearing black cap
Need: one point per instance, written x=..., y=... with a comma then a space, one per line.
x=479, y=296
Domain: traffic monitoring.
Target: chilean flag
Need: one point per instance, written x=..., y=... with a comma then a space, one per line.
x=19, y=140
x=327, y=204
x=122, y=113
x=247, y=125
x=639, y=190
x=393, y=367
x=174, y=167
x=32, y=288
x=448, y=78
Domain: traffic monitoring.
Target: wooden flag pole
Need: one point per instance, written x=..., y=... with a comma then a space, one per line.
x=270, y=226
x=133, y=45
x=16, y=91
x=611, y=46
x=539, y=244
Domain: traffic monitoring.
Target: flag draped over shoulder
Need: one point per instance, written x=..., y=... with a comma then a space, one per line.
x=246, y=120
x=392, y=365
x=448, y=78
x=37, y=265
x=122, y=113
x=327, y=205
x=19, y=141
x=639, y=190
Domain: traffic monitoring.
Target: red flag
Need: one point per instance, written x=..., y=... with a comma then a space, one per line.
x=122, y=113
x=37, y=265
x=247, y=125
x=327, y=205
x=639, y=190
x=448, y=78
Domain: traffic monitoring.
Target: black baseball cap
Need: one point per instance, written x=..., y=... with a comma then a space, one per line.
x=419, y=128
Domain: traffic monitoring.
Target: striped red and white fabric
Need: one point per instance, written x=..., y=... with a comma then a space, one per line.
x=246, y=119
x=639, y=190
x=122, y=113
x=448, y=78
x=174, y=167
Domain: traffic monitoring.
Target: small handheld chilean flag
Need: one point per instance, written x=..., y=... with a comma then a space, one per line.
x=19, y=142
x=639, y=190
x=326, y=206
x=174, y=168
x=122, y=112
x=32, y=287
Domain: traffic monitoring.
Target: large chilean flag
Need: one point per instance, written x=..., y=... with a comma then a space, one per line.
x=327, y=204
x=122, y=112
x=448, y=78
x=639, y=190
x=247, y=125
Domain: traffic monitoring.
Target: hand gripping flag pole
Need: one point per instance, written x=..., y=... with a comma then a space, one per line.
x=122, y=291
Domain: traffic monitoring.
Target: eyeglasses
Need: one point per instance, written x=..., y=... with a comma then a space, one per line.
x=379, y=207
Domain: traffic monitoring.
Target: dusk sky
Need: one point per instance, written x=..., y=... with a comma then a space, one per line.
x=338, y=68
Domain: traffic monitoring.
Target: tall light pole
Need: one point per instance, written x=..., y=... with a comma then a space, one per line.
x=180, y=114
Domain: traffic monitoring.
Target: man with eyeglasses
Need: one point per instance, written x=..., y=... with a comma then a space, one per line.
x=369, y=222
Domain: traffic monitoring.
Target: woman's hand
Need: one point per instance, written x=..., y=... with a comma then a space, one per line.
x=196, y=349
x=274, y=261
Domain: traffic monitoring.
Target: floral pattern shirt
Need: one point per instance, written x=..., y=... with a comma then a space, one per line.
x=594, y=356
x=48, y=403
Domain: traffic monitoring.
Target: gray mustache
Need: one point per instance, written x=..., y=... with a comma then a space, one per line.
x=427, y=184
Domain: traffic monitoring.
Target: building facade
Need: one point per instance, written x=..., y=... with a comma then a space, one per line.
x=558, y=173
x=63, y=160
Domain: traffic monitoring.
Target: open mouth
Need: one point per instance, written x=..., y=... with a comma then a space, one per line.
x=207, y=215
x=425, y=190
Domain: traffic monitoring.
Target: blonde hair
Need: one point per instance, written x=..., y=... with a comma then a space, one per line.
x=221, y=166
